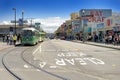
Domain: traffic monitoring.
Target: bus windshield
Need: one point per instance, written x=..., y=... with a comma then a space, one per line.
x=27, y=33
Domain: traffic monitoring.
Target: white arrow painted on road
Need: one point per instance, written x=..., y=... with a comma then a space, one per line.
x=53, y=66
x=42, y=64
x=26, y=66
x=40, y=49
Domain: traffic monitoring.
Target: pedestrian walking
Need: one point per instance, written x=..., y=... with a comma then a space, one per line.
x=3, y=37
x=116, y=39
x=14, y=39
x=80, y=37
x=95, y=38
x=11, y=39
x=7, y=39
x=110, y=39
x=119, y=38
x=106, y=39
x=18, y=37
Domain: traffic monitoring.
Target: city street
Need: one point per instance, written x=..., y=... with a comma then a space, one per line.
x=60, y=60
x=13, y=66
x=77, y=61
x=60, y=40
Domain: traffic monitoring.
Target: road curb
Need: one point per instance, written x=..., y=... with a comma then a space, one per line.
x=97, y=45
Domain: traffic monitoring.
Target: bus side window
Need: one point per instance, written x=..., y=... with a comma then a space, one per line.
x=33, y=33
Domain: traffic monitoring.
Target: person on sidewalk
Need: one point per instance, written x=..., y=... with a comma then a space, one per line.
x=3, y=37
x=119, y=38
x=106, y=39
x=116, y=39
x=11, y=39
x=110, y=39
x=7, y=39
x=95, y=38
x=18, y=37
x=14, y=39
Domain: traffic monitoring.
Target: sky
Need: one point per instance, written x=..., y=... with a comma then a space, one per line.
x=51, y=13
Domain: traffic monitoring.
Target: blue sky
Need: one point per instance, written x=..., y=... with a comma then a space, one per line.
x=50, y=9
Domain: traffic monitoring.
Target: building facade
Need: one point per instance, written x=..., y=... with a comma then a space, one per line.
x=6, y=29
x=95, y=20
x=74, y=15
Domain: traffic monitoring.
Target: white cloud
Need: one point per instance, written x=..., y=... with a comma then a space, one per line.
x=5, y=23
x=116, y=13
x=49, y=24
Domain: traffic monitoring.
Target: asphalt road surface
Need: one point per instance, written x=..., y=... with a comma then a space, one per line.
x=60, y=60
x=17, y=67
x=75, y=61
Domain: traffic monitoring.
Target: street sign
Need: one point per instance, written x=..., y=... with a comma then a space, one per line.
x=25, y=21
x=87, y=15
x=20, y=22
x=37, y=24
x=13, y=21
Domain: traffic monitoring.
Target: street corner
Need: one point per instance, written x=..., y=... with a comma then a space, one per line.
x=5, y=46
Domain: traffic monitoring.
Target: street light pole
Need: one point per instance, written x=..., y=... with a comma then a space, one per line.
x=31, y=20
x=22, y=14
x=73, y=30
x=15, y=19
x=22, y=18
x=83, y=12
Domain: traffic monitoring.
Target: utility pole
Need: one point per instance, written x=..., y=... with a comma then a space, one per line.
x=15, y=18
x=31, y=20
x=22, y=18
x=83, y=26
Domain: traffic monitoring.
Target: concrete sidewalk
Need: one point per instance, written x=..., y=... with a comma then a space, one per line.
x=4, y=46
x=99, y=44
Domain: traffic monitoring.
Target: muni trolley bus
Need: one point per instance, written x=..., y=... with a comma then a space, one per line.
x=31, y=36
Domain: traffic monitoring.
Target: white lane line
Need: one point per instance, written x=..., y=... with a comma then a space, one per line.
x=40, y=49
x=82, y=54
x=34, y=58
x=35, y=51
x=53, y=67
x=26, y=66
x=38, y=70
x=42, y=64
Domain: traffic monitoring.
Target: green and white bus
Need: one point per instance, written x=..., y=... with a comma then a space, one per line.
x=31, y=36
